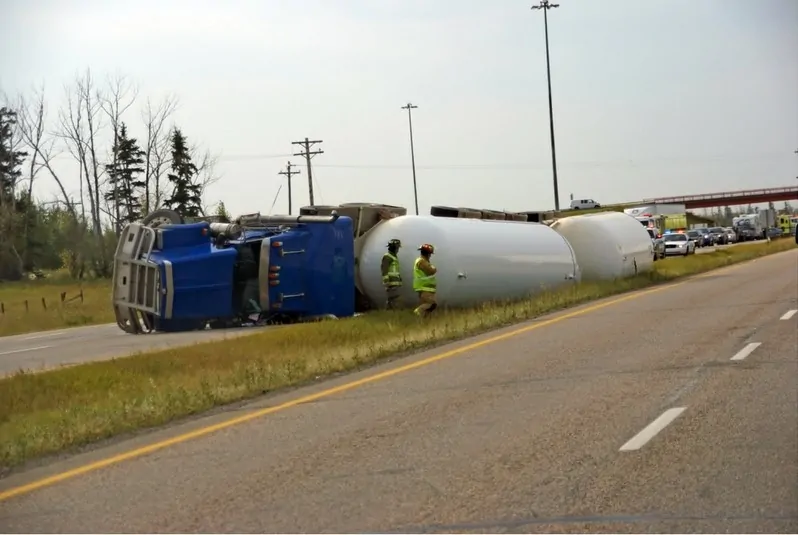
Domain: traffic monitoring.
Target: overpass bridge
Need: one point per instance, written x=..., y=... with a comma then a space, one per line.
x=730, y=198
x=690, y=202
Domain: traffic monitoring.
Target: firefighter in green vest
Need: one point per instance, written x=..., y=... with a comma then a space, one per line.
x=391, y=278
x=424, y=281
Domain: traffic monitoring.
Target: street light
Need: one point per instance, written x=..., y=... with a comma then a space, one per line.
x=409, y=107
x=545, y=6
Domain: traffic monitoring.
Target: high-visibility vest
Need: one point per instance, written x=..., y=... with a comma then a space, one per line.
x=393, y=277
x=421, y=281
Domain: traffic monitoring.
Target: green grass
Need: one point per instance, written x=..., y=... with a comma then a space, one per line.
x=48, y=412
x=16, y=318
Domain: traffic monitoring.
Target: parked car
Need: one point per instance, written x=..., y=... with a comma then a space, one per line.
x=584, y=204
x=719, y=235
x=707, y=239
x=678, y=243
x=659, y=245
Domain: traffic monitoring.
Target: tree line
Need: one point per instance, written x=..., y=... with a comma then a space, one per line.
x=122, y=177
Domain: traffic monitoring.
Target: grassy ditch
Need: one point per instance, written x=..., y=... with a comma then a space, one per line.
x=48, y=412
x=43, y=305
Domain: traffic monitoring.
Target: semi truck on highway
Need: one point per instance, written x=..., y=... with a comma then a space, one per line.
x=174, y=275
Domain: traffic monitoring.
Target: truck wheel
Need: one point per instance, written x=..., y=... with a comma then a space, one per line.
x=163, y=217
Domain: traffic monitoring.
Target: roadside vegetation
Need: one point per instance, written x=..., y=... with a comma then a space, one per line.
x=43, y=413
x=55, y=302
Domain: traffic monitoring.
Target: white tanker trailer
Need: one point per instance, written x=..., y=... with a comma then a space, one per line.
x=171, y=276
x=477, y=259
x=608, y=245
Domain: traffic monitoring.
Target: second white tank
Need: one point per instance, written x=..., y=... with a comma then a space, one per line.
x=608, y=245
x=477, y=260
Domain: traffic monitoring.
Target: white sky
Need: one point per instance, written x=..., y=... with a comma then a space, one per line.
x=651, y=97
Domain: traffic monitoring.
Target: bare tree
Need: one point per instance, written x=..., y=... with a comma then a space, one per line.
x=206, y=171
x=41, y=145
x=157, y=156
x=80, y=125
x=120, y=96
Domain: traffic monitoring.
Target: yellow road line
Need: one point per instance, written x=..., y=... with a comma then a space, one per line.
x=144, y=450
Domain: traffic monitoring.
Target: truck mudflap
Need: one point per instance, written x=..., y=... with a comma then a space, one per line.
x=140, y=290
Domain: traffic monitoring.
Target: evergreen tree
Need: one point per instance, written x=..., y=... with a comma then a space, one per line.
x=221, y=211
x=185, y=198
x=125, y=180
x=11, y=212
x=10, y=159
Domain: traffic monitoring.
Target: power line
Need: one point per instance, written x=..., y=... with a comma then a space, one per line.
x=409, y=107
x=545, y=6
x=289, y=173
x=307, y=154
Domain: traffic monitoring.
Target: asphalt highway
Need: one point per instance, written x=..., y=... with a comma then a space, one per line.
x=52, y=349
x=670, y=410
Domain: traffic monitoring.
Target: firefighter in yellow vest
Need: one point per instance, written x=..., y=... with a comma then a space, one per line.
x=424, y=281
x=391, y=278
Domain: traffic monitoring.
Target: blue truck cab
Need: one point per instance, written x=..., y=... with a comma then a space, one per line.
x=186, y=276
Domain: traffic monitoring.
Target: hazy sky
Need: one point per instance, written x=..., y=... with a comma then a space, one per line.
x=651, y=97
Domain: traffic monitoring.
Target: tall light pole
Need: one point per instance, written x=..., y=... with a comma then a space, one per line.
x=409, y=107
x=545, y=5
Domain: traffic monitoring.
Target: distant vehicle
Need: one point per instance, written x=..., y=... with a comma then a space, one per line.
x=584, y=204
x=695, y=237
x=707, y=240
x=659, y=244
x=678, y=243
x=784, y=223
x=719, y=235
x=775, y=232
x=748, y=227
x=768, y=217
x=731, y=236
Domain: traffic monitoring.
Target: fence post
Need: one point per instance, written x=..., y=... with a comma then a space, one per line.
x=44, y=303
x=26, y=306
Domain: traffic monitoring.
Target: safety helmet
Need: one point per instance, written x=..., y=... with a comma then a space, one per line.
x=427, y=248
x=395, y=243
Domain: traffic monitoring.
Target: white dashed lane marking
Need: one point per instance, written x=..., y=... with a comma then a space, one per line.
x=747, y=350
x=651, y=430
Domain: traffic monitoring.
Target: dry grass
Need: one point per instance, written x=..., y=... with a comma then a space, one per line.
x=48, y=412
x=16, y=318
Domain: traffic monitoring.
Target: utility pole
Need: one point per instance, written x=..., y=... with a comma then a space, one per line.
x=306, y=144
x=409, y=107
x=289, y=173
x=545, y=6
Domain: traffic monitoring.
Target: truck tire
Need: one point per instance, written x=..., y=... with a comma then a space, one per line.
x=163, y=217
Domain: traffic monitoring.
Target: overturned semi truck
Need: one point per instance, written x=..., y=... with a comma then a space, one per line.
x=174, y=275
